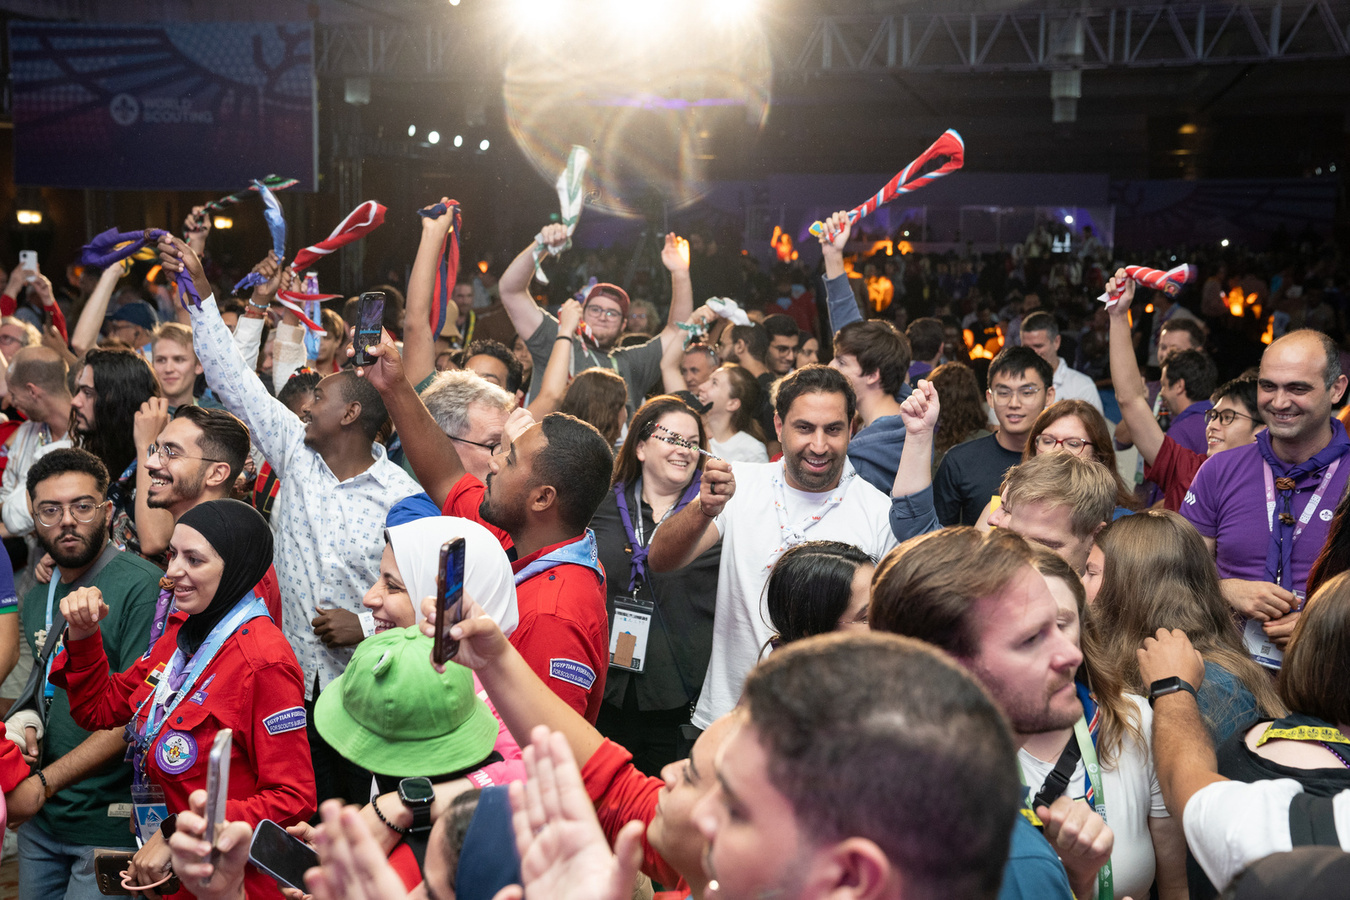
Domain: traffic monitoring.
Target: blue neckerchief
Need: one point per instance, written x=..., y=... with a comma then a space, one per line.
x=276, y=224
x=1280, y=550
x=581, y=552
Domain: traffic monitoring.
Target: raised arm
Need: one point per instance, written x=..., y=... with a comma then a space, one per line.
x=430, y=451
x=675, y=257
x=1125, y=376
x=839, y=299
x=557, y=375
x=197, y=226
x=680, y=540
x=419, y=344
x=514, y=285
x=87, y=327
x=154, y=527
x=912, y=510
x=1182, y=751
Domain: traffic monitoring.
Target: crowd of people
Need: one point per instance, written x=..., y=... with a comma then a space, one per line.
x=795, y=585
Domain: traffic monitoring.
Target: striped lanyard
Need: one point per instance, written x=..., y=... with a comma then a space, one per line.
x=792, y=535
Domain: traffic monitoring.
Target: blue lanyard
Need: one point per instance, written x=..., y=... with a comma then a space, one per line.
x=48, y=690
x=166, y=699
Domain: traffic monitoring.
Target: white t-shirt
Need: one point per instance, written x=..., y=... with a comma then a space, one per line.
x=1071, y=384
x=1133, y=796
x=750, y=536
x=1231, y=824
x=740, y=447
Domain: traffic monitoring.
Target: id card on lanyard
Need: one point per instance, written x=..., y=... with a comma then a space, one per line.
x=628, y=636
x=1260, y=645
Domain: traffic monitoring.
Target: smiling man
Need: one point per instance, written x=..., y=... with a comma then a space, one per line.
x=1265, y=509
x=175, y=363
x=813, y=493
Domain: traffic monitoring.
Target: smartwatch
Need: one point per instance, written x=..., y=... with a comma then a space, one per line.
x=1164, y=686
x=417, y=794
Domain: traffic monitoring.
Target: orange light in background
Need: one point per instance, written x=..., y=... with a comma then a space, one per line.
x=1269, y=334
x=1149, y=308
x=782, y=245
x=969, y=337
x=482, y=266
x=152, y=274
x=905, y=248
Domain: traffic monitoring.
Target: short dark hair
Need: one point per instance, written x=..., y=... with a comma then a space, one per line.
x=231, y=305
x=815, y=379
x=755, y=337
x=820, y=705
x=577, y=463
x=356, y=389
x=779, y=325
x=515, y=372
x=878, y=347
x=1197, y=369
x=810, y=587
x=1193, y=327
x=224, y=435
x=1041, y=321
x=68, y=459
x=1243, y=390
x=1014, y=361
x=926, y=337
x=302, y=381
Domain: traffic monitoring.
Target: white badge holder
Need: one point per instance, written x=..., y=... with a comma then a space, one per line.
x=628, y=636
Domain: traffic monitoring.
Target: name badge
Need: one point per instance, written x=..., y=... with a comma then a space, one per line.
x=628, y=636
x=147, y=803
x=1259, y=644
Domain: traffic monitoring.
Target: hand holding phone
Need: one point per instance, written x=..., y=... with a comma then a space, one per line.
x=280, y=855
x=369, y=326
x=449, y=600
x=28, y=262
x=217, y=784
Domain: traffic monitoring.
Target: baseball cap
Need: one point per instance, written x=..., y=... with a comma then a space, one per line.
x=392, y=713
x=613, y=292
x=138, y=312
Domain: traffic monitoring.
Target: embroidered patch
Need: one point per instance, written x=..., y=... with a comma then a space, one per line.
x=286, y=720
x=199, y=696
x=1325, y=515
x=176, y=752
x=580, y=674
x=153, y=677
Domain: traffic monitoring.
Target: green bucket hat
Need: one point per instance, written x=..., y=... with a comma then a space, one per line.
x=390, y=712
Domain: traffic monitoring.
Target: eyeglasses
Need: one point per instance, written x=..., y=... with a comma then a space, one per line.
x=1004, y=395
x=82, y=511
x=490, y=448
x=169, y=454
x=1050, y=442
x=1225, y=416
x=597, y=312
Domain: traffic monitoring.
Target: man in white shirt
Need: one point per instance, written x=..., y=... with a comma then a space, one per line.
x=1040, y=332
x=812, y=494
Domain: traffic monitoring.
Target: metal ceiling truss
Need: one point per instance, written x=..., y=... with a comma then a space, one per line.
x=1029, y=40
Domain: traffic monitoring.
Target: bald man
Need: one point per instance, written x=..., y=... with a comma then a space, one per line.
x=1265, y=509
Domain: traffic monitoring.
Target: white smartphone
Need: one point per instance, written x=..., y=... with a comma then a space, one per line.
x=28, y=262
x=217, y=782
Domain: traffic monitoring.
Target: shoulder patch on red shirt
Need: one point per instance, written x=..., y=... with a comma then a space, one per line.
x=569, y=670
x=286, y=720
x=152, y=677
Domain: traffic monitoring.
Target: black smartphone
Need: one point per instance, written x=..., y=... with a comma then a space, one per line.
x=108, y=868
x=449, y=600
x=369, y=326
x=280, y=855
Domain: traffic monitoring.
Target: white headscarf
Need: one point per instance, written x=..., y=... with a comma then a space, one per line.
x=487, y=571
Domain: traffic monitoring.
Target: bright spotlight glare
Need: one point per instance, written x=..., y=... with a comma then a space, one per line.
x=434, y=137
x=483, y=145
x=731, y=12
x=412, y=131
x=1223, y=243
x=454, y=2
x=459, y=140
x=1068, y=220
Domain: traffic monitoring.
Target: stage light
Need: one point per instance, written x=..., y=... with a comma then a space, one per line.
x=732, y=12
x=484, y=144
x=459, y=140
x=412, y=131
x=1317, y=171
x=1068, y=220
x=1223, y=243
x=1333, y=168
x=29, y=217
x=454, y=2
x=906, y=234
x=223, y=223
x=434, y=137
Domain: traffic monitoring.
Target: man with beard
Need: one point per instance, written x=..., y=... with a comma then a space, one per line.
x=189, y=459
x=544, y=483
x=77, y=799
x=812, y=494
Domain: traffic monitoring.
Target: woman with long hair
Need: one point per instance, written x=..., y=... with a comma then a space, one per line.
x=1076, y=427
x=598, y=396
x=1157, y=573
x=818, y=587
x=964, y=415
x=660, y=622
x=731, y=395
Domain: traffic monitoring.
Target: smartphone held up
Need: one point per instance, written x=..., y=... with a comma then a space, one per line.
x=449, y=600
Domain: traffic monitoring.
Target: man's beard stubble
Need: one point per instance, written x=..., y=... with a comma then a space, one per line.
x=87, y=553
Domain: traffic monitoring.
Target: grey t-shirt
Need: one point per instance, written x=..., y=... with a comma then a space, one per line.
x=640, y=366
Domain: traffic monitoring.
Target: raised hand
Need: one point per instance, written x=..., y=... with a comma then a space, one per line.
x=149, y=421
x=1116, y=282
x=569, y=317
x=440, y=226
x=1168, y=654
x=177, y=256
x=717, y=487
x=675, y=253
x=840, y=227
x=554, y=235
x=83, y=608
x=919, y=411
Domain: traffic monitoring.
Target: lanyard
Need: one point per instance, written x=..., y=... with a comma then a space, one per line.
x=165, y=698
x=790, y=536
x=1308, y=510
x=49, y=690
x=468, y=335
x=632, y=525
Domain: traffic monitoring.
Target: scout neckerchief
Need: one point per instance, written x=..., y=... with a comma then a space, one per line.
x=581, y=552
x=176, y=683
x=1280, y=481
x=1298, y=727
x=790, y=535
x=447, y=268
x=163, y=609
x=633, y=527
x=1085, y=733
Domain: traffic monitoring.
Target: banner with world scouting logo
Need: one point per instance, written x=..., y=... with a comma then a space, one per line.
x=163, y=107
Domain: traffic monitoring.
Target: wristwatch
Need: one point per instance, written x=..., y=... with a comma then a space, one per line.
x=1164, y=686
x=417, y=794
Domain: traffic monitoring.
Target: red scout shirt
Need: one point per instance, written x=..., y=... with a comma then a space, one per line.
x=621, y=794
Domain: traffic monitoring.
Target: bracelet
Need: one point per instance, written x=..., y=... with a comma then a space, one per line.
x=257, y=306
x=704, y=511
x=562, y=337
x=46, y=788
x=379, y=815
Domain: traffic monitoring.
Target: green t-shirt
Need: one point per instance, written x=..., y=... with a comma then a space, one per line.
x=84, y=813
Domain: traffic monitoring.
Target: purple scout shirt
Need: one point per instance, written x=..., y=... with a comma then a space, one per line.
x=1188, y=428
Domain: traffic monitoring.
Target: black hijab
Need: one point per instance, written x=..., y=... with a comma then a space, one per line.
x=244, y=541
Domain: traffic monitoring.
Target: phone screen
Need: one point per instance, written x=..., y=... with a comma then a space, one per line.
x=217, y=782
x=449, y=599
x=278, y=854
x=369, y=325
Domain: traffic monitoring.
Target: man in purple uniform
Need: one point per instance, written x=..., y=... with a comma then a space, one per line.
x=1265, y=509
